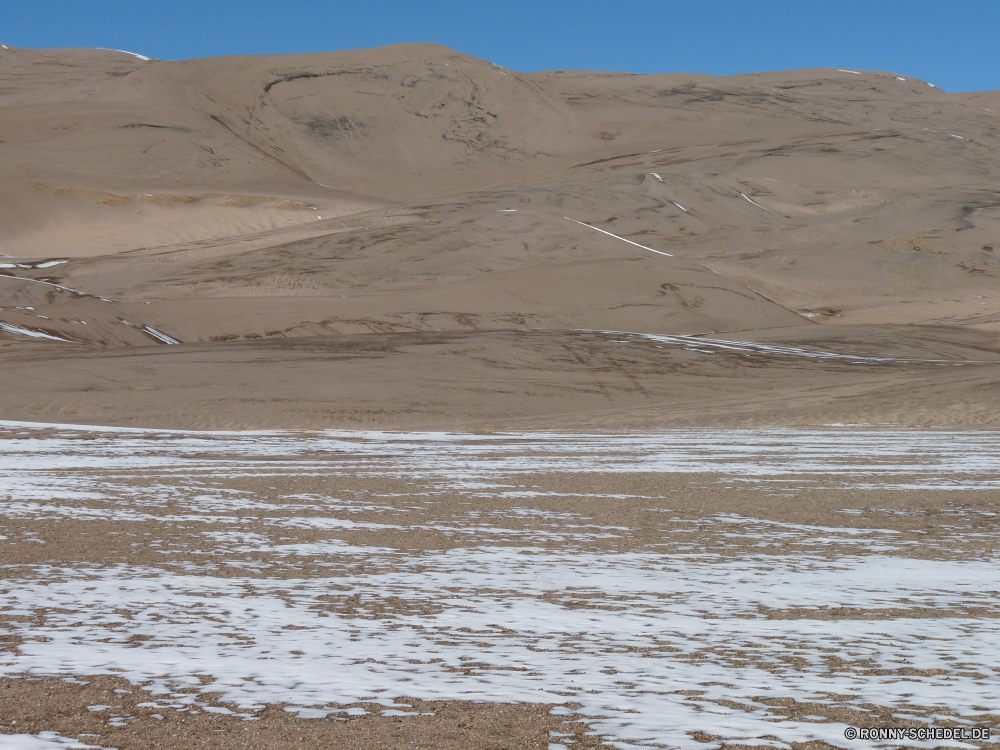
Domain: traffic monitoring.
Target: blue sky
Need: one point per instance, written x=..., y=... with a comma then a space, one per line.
x=951, y=44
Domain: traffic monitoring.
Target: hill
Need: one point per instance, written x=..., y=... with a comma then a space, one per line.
x=460, y=243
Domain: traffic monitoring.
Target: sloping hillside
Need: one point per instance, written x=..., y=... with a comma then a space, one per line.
x=414, y=189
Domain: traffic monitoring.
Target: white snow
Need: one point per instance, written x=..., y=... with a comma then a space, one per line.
x=841, y=70
x=900, y=79
x=158, y=335
x=508, y=210
x=40, y=741
x=956, y=136
x=623, y=634
x=680, y=207
x=50, y=263
x=125, y=52
x=11, y=328
x=700, y=343
x=758, y=205
x=657, y=176
x=57, y=286
x=844, y=456
x=602, y=231
x=654, y=644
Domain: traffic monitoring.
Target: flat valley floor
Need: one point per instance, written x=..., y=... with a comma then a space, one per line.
x=689, y=588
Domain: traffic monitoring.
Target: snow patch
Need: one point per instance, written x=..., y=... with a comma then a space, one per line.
x=758, y=205
x=654, y=645
x=699, y=343
x=158, y=335
x=619, y=633
x=57, y=286
x=40, y=741
x=126, y=52
x=11, y=328
x=602, y=231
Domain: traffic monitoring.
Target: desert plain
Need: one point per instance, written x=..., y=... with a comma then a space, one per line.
x=390, y=398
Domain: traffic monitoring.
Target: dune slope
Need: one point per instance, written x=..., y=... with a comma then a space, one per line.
x=457, y=244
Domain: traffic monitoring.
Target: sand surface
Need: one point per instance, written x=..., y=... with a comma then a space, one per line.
x=393, y=399
x=240, y=206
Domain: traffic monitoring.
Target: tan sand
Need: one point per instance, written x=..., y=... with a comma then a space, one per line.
x=190, y=193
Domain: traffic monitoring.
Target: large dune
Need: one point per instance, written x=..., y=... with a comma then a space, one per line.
x=447, y=210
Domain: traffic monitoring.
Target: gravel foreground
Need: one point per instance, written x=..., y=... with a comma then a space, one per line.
x=686, y=589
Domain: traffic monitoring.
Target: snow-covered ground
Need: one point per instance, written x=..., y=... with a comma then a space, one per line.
x=651, y=642
x=653, y=648
x=39, y=461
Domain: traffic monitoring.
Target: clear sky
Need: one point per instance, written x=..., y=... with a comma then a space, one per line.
x=954, y=45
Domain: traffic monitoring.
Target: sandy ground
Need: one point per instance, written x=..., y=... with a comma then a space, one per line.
x=518, y=379
x=235, y=205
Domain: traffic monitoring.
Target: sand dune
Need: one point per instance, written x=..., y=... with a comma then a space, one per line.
x=233, y=204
